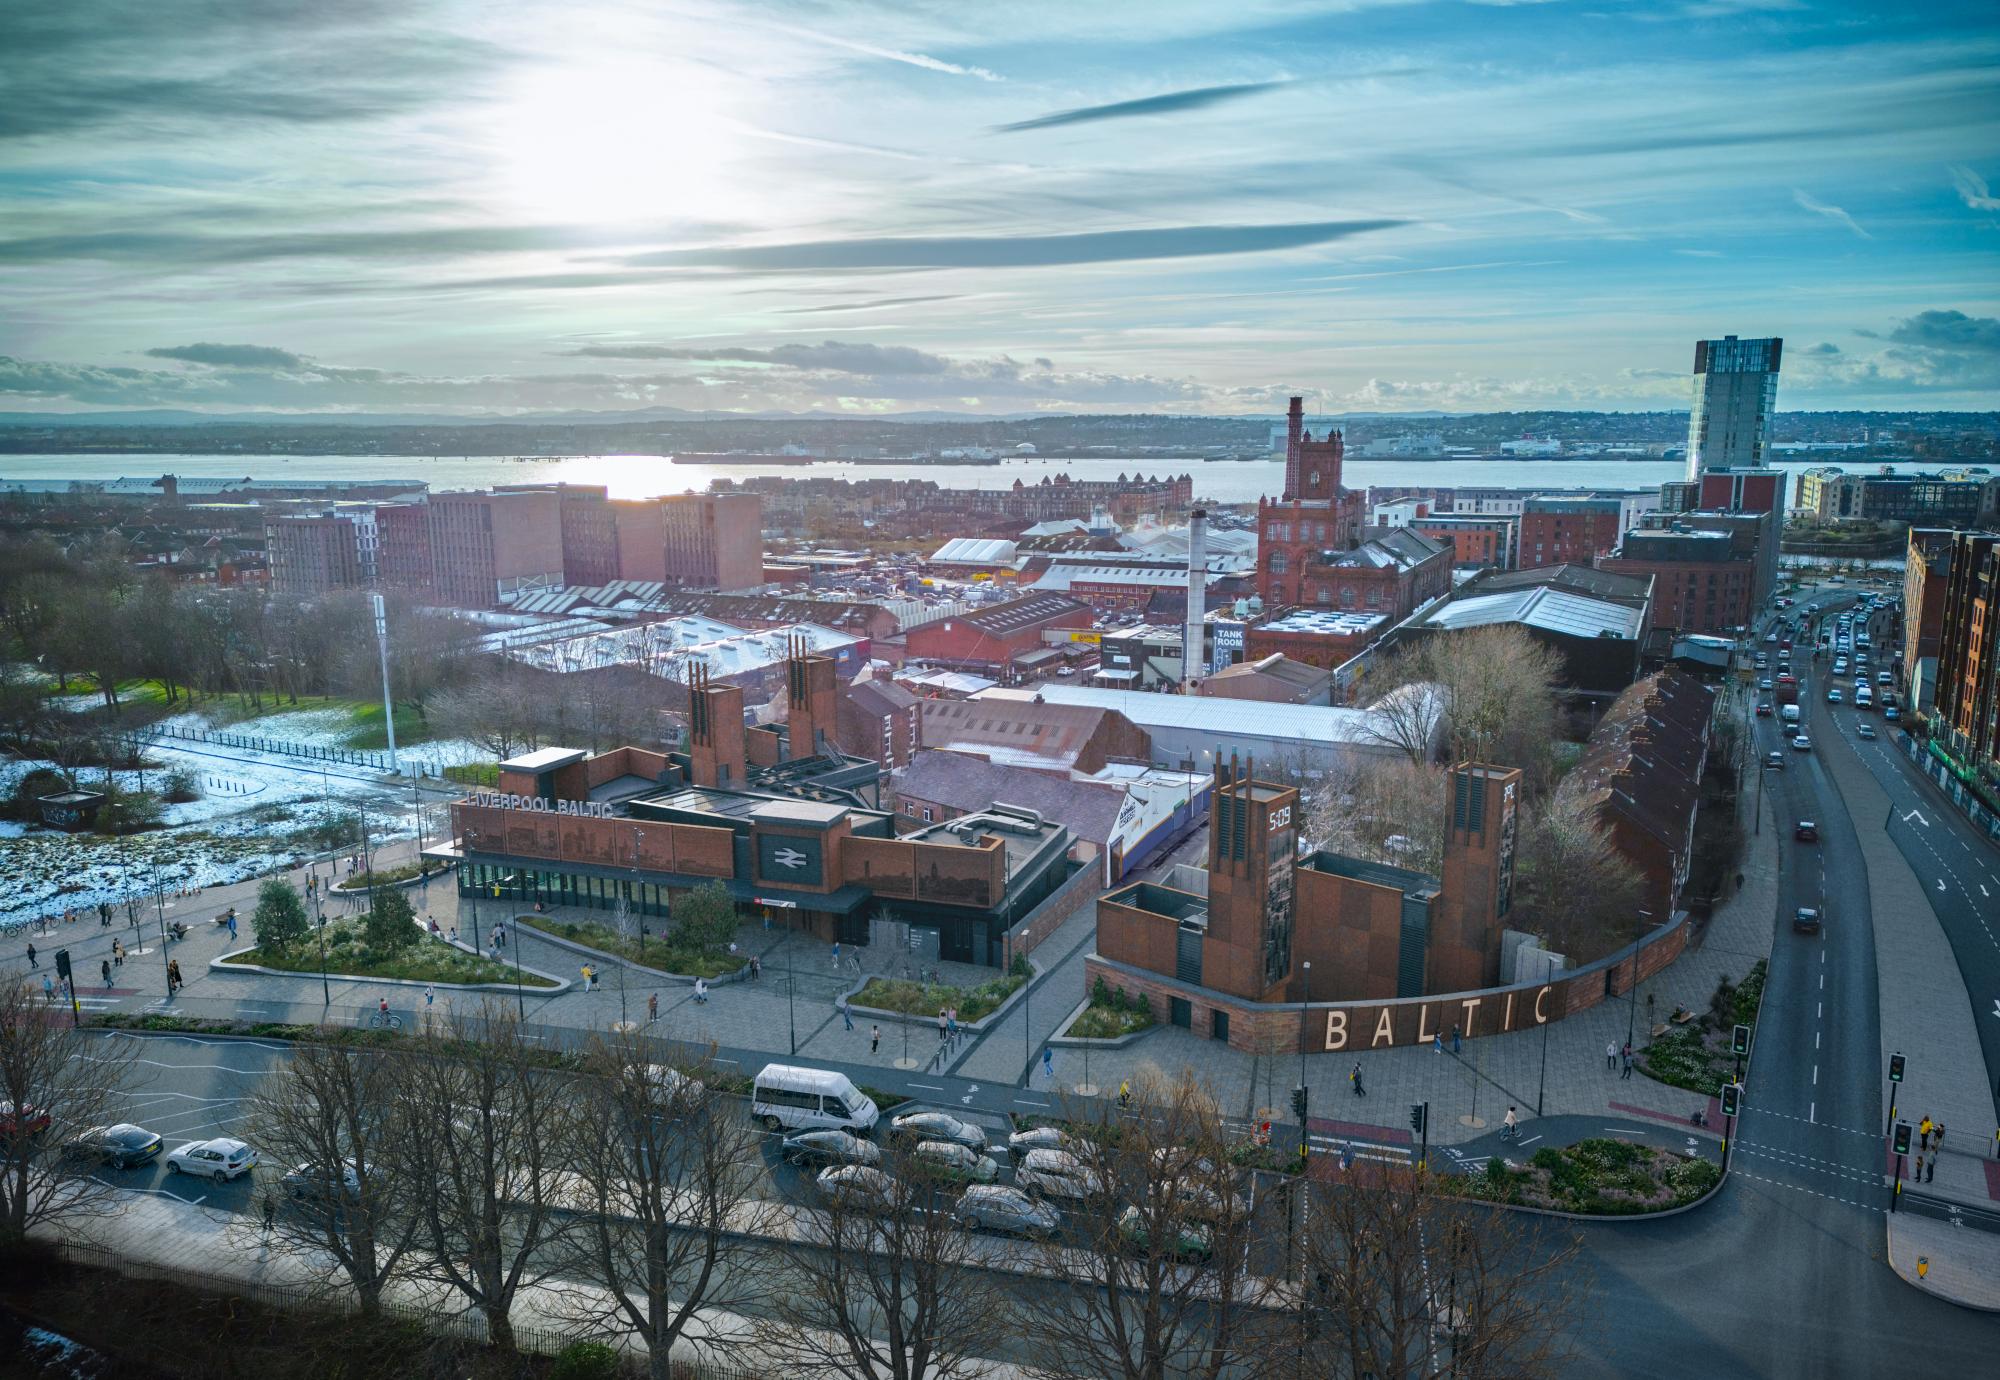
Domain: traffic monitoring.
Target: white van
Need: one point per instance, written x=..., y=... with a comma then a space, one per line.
x=1790, y=714
x=788, y=1097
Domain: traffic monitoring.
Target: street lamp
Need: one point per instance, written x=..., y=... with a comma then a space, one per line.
x=1632, y=993
x=792, y=1008
x=1304, y=1016
x=1548, y=971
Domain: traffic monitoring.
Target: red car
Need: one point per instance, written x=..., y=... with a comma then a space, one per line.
x=1763, y=711
x=31, y=1120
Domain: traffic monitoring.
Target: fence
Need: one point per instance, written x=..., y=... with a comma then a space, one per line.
x=310, y=752
x=463, y=1327
x=1963, y=797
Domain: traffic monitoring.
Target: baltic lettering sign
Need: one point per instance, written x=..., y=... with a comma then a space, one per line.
x=533, y=804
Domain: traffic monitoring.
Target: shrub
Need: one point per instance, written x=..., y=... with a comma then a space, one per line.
x=1100, y=992
x=585, y=1361
x=1019, y=967
x=180, y=785
x=280, y=916
x=704, y=918
x=391, y=925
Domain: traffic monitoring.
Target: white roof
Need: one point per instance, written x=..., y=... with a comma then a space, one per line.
x=1223, y=717
x=1330, y=621
x=670, y=647
x=975, y=551
x=1552, y=610
x=1062, y=576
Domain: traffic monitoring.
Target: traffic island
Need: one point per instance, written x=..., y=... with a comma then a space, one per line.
x=1600, y=1177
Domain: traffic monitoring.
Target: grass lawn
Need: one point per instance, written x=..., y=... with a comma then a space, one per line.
x=927, y=998
x=656, y=954
x=368, y=721
x=1108, y=1020
x=348, y=955
x=1609, y=1177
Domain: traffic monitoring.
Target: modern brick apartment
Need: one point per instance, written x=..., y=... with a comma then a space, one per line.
x=485, y=545
x=311, y=556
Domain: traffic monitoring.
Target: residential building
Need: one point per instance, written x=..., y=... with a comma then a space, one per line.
x=403, y=560
x=313, y=556
x=1966, y=721
x=1564, y=531
x=879, y=719
x=1735, y=397
x=1704, y=581
x=1926, y=576
x=1953, y=498
x=589, y=534
x=484, y=546
x=713, y=541
x=1477, y=543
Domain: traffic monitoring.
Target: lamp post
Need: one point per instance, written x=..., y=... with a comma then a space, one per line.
x=792, y=1008
x=520, y=1001
x=1632, y=993
x=319, y=930
x=160, y=903
x=1548, y=971
x=1304, y=1016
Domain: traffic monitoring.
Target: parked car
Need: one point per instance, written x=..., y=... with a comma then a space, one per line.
x=1039, y=1138
x=1807, y=832
x=315, y=1183
x=1057, y=1174
x=996, y=1207
x=937, y=1126
x=1892, y=714
x=858, y=1186
x=1191, y=1240
x=123, y=1146
x=824, y=1149
x=953, y=1161
x=220, y=1159
x=1806, y=920
x=1885, y=678
x=1867, y=730
x=22, y=1120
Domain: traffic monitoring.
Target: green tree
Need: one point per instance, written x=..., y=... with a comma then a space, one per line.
x=391, y=924
x=705, y=918
x=280, y=917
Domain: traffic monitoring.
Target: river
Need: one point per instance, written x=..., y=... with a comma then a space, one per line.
x=640, y=476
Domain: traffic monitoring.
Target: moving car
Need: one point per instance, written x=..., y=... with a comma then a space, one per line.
x=1775, y=760
x=938, y=1126
x=1765, y=683
x=858, y=1186
x=952, y=1161
x=1807, y=832
x=122, y=1146
x=1806, y=920
x=1892, y=714
x=1802, y=744
x=1868, y=730
x=1833, y=695
x=1885, y=678
x=995, y=1207
x=1763, y=709
x=220, y=1159
x=826, y=1149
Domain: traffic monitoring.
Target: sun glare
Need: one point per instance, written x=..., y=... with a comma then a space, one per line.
x=616, y=142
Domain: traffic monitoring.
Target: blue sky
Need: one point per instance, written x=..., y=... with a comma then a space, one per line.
x=1194, y=207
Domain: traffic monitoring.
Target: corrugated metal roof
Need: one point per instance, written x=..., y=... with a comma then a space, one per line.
x=975, y=551
x=1222, y=717
x=1552, y=610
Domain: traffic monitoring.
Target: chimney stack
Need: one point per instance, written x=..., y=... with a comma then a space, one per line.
x=715, y=731
x=1295, y=425
x=1197, y=600
x=812, y=696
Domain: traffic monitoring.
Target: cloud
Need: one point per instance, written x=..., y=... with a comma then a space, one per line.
x=923, y=60
x=1699, y=253
x=1194, y=98
x=1972, y=189
x=1949, y=330
x=1832, y=213
x=876, y=305
x=238, y=356
x=1825, y=347
x=837, y=356
x=1011, y=251
x=415, y=242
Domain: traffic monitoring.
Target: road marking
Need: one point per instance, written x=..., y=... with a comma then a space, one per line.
x=1815, y=1075
x=1821, y=1013
x=1918, y=816
x=1812, y=1112
x=1815, y=1039
x=1530, y=1140
x=1024, y=1102
x=1983, y=891
x=929, y=1087
x=1940, y=884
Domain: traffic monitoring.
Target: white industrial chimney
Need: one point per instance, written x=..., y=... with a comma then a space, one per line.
x=1197, y=599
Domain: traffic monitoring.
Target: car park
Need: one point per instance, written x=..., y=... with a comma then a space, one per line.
x=858, y=1186
x=943, y=1126
x=1057, y=1174
x=221, y=1159
x=827, y=1149
x=123, y=1146
x=1868, y=730
x=1806, y=920
x=953, y=1161
x=996, y=1207
x=1806, y=832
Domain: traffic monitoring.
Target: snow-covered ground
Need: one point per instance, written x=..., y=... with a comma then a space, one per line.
x=252, y=809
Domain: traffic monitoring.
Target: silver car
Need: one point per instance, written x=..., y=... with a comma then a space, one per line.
x=1039, y=1138
x=995, y=1207
x=919, y=1126
x=1057, y=1174
x=942, y=1157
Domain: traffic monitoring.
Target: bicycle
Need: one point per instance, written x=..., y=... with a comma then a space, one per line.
x=385, y=1020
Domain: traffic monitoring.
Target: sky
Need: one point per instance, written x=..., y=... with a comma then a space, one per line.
x=478, y=206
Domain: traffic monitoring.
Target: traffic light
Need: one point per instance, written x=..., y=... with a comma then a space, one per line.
x=1417, y=1110
x=62, y=964
x=1299, y=1103
x=1895, y=1068
x=1739, y=1041
x=1902, y=1141
x=1732, y=1096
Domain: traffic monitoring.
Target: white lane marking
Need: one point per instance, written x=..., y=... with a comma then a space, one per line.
x=1940, y=884
x=1983, y=891
x=1530, y=1140
x=1821, y=1013
x=1815, y=1075
x=929, y=1087
x=1024, y=1102
x=1812, y=1111
x=1815, y=1039
x=1918, y=816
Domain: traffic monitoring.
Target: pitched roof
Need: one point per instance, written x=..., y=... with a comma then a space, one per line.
x=879, y=697
x=1021, y=732
x=1645, y=758
x=1019, y=615
x=974, y=783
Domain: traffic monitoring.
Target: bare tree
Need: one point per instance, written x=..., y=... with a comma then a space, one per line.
x=56, y=1084
x=330, y=1114
x=480, y=1130
x=1401, y=1279
x=1388, y=810
x=1495, y=683
x=1409, y=718
x=1157, y=1279
x=1579, y=890
x=883, y=1284
x=664, y=1169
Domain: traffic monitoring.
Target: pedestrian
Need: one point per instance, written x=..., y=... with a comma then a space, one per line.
x=1354, y=1077
x=430, y=994
x=589, y=978
x=270, y=1212
x=1931, y=1173
x=31, y=957
x=1918, y=1177
x=1628, y=1064
x=1924, y=1134
x=174, y=980
x=230, y=921
x=117, y=954
x=874, y=1038
x=1611, y=1055
x=653, y=1007
x=1049, y=1063
x=1511, y=1128
x=756, y=967
x=453, y=937
x=106, y=966
x=103, y=915
x=951, y=1025
x=1437, y=1043
x=846, y=1016
x=701, y=990
x=48, y=989
x=1124, y=1093
x=499, y=936
x=1454, y=1039
x=943, y=1032
x=1937, y=1135
x=836, y=953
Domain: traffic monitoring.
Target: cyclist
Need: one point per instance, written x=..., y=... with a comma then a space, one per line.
x=383, y=1007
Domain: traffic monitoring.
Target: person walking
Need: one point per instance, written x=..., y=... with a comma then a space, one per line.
x=1049, y=1063
x=31, y=957
x=48, y=990
x=1628, y=1064
x=756, y=967
x=106, y=967
x=1937, y=1135
x=1611, y=1056
x=1354, y=1077
x=1124, y=1093
x=270, y=1213
x=874, y=1038
x=1437, y=1043
x=951, y=1025
x=846, y=1016
x=1924, y=1134
x=701, y=990
x=1511, y=1128
x=836, y=953
x=653, y=1007
x=1454, y=1040
x=430, y=994
x=174, y=983
x=943, y=1033
x=117, y=954
x=589, y=978
x=103, y=915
